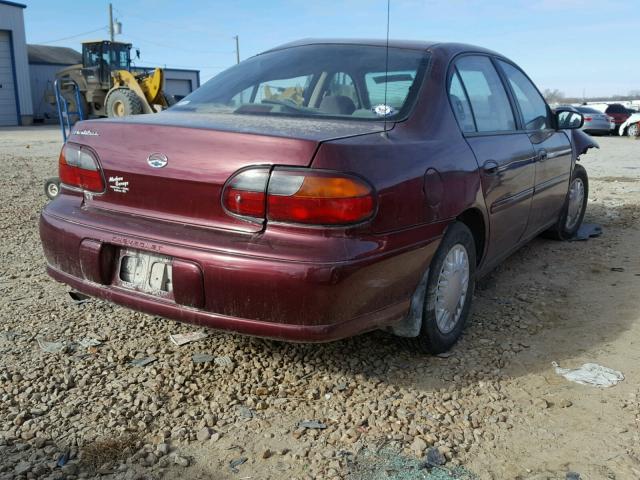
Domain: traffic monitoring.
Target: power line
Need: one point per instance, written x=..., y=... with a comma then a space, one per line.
x=72, y=36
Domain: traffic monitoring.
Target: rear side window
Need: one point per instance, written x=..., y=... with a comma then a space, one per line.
x=460, y=104
x=491, y=108
x=532, y=105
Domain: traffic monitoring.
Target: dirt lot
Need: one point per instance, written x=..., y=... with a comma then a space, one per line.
x=494, y=406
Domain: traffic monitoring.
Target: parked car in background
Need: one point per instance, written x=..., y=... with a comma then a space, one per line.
x=595, y=122
x=618, y=112
x=319, y=190
x=631, y=126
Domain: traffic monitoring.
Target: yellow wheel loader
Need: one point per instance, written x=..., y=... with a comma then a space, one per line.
x=109, y=87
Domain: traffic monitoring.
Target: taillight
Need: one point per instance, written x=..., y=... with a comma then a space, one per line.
x=298, y=195
x=78, y=168
x=244, y=194
x=588, y=119
x=320, y=198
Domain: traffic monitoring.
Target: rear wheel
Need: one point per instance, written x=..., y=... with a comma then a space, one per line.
x=449, y=290
x=123, y=102
x=633, y=130
x=575, y=206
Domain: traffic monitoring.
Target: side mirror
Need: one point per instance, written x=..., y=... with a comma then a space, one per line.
x=567, y=119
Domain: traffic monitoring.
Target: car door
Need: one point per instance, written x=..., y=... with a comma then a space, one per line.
x=554, y=155
x=504, y=154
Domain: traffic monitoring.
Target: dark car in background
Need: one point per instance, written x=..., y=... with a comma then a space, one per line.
x=319, y=190
x=619, y=113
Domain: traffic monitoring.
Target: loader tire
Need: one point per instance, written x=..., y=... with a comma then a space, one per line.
x=123, y=102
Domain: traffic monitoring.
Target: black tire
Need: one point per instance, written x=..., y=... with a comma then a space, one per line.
x=52, y=187
x=633, y=130
x=562, y=230
x=431, y=338
x=123, y=102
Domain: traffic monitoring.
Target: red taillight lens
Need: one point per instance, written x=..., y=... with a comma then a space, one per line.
x=78, y=168
x=299, y=195
x=588, y=119
x=245, y=193
x=318, y=198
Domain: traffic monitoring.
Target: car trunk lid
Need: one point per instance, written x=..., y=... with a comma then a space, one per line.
x=174, y=166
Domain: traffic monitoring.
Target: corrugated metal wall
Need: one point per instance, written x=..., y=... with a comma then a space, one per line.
x=12, y=19
x=42, y=78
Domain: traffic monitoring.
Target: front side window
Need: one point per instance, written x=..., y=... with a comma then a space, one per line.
x=489, y=101
x=345, y=81
x=532, y=105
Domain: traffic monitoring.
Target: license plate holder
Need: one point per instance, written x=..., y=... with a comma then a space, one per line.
x=145, y=272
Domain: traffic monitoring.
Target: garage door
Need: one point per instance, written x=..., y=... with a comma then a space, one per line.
x=8, y=112
x=177, y=87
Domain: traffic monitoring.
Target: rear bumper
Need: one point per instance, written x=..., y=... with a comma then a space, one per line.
x=309, y=299
x=278, y=331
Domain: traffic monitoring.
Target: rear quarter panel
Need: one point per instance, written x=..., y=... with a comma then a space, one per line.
x=422, y=169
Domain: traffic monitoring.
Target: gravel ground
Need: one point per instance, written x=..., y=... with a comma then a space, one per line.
x=493, y=406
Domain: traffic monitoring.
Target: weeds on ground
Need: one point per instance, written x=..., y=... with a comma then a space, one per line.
x=108, y=451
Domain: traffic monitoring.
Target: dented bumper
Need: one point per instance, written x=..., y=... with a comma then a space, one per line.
x=322, y=289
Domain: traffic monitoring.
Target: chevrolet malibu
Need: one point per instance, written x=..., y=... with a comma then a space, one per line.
x=319, y=190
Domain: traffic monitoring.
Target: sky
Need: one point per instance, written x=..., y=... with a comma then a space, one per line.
x=580, y=47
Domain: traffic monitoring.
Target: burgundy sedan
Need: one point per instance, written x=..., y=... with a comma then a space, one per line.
x=319, y=190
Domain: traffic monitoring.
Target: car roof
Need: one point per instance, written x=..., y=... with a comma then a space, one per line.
x=449, y=48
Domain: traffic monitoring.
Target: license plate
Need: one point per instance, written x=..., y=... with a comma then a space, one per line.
x=145, y=272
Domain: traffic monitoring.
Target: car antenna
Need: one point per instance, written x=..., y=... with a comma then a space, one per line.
x=386, y=70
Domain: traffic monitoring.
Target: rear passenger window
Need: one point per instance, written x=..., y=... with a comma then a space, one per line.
x=460, y=105
x=489, y=101
x=531, y=103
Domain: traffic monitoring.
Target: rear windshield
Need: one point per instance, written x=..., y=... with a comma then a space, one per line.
x=343, y=81
x=587, y=110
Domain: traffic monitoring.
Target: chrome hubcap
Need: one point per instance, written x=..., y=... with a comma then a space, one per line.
x=576, y=199
x=451, y=291
x=53, y=189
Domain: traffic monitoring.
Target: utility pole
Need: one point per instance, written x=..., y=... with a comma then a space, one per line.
x=111, y=34
x=237, y=48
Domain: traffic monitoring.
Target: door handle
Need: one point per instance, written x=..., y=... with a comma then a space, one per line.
x=490, y=167
x=542, y=155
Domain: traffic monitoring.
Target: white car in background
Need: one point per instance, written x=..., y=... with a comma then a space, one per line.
x=631, y=126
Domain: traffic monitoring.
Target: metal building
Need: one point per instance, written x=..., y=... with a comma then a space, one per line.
x=44, y=62
x=15, y=92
